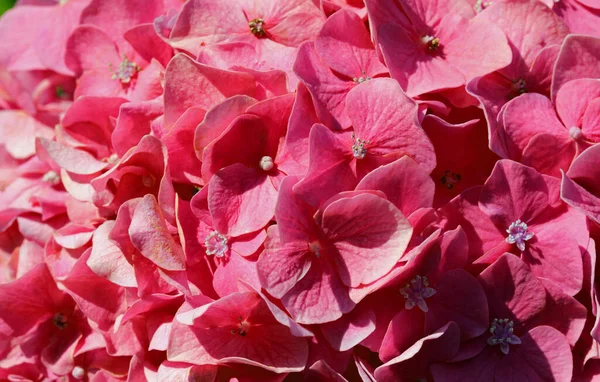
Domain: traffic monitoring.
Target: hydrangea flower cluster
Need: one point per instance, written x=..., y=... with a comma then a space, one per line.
x=300, y=190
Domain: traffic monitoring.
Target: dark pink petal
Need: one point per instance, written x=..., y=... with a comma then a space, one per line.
x=150, y=235
x=148, y=44
x=302, y=118
x=397, y=339
x=264, y=342
x=562, y=312
x=370, y=235
x=513, y=192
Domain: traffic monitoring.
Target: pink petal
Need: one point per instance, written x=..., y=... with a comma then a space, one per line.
x=71, y=159
x=89, y=48
x=107, y=260
x=349, y=330
x=398, y=180
x=382, y=114
x=370, y=235
x=513, y=192
x=281, y=266
x=241, y=200
x=150, y=235
x=189, y=84
x=345, y=45
x=578, y=58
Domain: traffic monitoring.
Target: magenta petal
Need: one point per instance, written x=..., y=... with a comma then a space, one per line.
x=150, y=235
x=543, y=355
x=549, y=154
x=230, y=271
x=370, y=235
x=241, y=200
x=397, y=339
x=512, y=290
x=413, y=363
x=458, y=298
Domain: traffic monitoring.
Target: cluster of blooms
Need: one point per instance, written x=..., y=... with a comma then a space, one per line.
x=300, y=190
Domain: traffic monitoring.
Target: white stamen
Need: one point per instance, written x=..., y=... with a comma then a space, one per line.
x=266, y=163
x=51, y=177
x=575, y=133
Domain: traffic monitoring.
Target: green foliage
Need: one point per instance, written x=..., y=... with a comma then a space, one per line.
x=5, y=5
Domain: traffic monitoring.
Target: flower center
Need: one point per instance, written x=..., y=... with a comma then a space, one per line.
x=78, y=372
x=257, y=27
x=432, y=42
x=242, y=328
x=449, y=179
x=315, y=248
x=502, y=334
x=127, y=71
x=517, y=233
x=60, y=320
x=216, y=244
x=575, y=133
x=416, y=292
x=361, y=79
x=51, y=177
x=520, y=86
x=266, y=163
x=358, y=147
x=480, y=5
